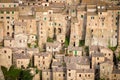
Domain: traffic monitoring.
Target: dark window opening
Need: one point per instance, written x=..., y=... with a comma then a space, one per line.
x=12, y=35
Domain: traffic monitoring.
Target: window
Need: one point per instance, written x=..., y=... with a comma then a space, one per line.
x=2, y=17
x=63, y=75
x=103, y=67
x=114, y=75
x=43, y=57
x=2, y=12
x=59, y=24
x=22, y=7
x=97, y=58
x=20, y=41
x=5, y=51
x=14, y=5
x=43, y=62
x=92, y=17
x=12, y=12
x=22, y=51
x=88, y=75
x=8, y=34
x=81, y=16
x=7, y=27
x=102, y=24
x=45, y=18
x=102, y=36
x=92, y=30
x=118, y=12
x=79, y=75
x=73, y=10
x=8, y=17
x=8, y=57
x=59, y=74
x=8, y=12
x=69, y=74
x=55, y=24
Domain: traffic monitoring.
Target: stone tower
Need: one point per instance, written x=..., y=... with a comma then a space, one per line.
x=118, y=41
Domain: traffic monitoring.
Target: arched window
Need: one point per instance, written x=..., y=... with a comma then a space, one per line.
x=59, y=30
x=8, y=34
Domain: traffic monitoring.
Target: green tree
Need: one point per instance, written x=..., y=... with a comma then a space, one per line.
x=50, y=39
x=11, y=74
x=81, y=43
x=86, y=49
x=25, y=75
x=16, y=74
x=67, y=40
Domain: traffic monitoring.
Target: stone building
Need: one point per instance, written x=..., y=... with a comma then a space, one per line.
x=106, y=69
x=115, y=74
x=108, y=53
x=20, y=40
x=21, y=60
x=75, y=51
x=8, y=4
x=47, y=74
x=42, y=60
x=59, y=73
x=97, y=58
x=97, y=31
x=49, y=23
x=6, y=57
x=85, y=74
x=8, y=16
x=9, y=42
x=54, y=47
x=78, y=25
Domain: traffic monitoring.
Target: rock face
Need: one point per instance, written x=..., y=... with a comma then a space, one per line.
x=1, y=75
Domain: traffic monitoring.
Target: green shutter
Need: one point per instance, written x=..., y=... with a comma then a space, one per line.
x=45, y=18
x=81, y=16
x=8, y=12
x=12, y=12
x=75, y=52
x=2, y=12
x=14, y=5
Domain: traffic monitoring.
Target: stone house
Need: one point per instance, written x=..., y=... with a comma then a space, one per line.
x=106, y=69
x=96, y=59
x=42, y=60
x=21, y=60
x=85, y=74
x=6, y=57
x=75, y=51
x=54, y=47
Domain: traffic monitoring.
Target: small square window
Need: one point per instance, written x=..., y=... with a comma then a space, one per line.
x=2, y=12
x=12, y=12
x=79, y=75
x=8, y=12
x=14, y=5
x=81, y=16
x=45, y=18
